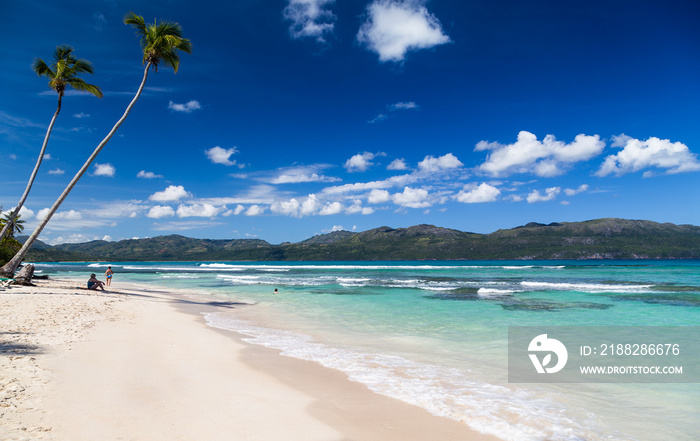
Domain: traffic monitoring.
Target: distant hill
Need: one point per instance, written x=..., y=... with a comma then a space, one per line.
x=595, y=239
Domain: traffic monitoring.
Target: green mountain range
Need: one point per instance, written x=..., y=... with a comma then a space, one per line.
x=595, y=239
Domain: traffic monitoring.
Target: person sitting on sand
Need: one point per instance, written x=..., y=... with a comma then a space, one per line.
x=93, y=283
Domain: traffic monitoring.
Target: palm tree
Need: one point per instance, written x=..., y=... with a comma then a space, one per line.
x=160, y=42
x=13, y=223
x=61, y=73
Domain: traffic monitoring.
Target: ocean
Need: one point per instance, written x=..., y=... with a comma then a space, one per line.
x=435, y=334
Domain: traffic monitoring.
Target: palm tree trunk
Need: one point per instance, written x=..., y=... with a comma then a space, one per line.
x=8, y=226
x=10, y=267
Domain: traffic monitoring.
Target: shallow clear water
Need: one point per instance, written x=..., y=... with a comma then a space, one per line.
x=435, y=334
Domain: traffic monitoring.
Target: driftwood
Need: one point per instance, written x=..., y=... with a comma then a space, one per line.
x=24, y=276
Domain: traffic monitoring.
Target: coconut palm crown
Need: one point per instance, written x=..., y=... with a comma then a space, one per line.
x=64, y=72
x=159, y=41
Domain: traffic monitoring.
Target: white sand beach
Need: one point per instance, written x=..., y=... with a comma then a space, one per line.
x=138, y=363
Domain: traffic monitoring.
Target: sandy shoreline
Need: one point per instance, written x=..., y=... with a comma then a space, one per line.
x=139, y=363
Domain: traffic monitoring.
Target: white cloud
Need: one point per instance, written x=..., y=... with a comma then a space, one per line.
x=217, y=155
x=394, y=181
x=98, y=21
x=412, y=197
x=294, y=175
x=574, y=191
x=199, y=210
x=357, y=207
x=476, y=194
x=654, y=152
x=107, y=238
x=403, y=106
x=397, y=164
x=290, y=207
x=47, y=156
x=393, y=108
x=310, y=18
x=549, y=195
x=160, y=211
x=81, y=115
x=255, y=210
x=188, y=107
x=331, y=208
x=56, y=171
x=310, y=206
x=545, y=158
x=360, y=162
x=378, y=118
x=377, y=196
x=104, y=170
x=446, y=162
x=148, y=175
x=394, y=27
x=170, y=194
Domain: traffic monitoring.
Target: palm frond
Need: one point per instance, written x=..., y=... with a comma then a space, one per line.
x=65, y=70
x=159, y=41
x=40, y=67
x=62, y=52
x=82, y=66
x=81, y=85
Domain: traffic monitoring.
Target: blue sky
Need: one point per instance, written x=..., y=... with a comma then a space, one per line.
x=296, y=117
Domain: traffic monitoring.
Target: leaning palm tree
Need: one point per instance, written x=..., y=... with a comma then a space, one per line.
x=160, y=42
x=62, y=72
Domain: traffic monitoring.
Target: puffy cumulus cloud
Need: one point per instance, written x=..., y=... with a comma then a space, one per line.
x=473, y=194
x=433, y=164
x=331, y=208
x=397, y=164
x=218, y=155
x=290, y=207
x=62, y=215
x=160, y=211
x=549, y=195
x=574, y=191
x=310, y=19
x=104, y=170
x=673, y=157
x=357, y=208
x=56, y=171
x=255, y=210
x=147, y=175
x=199, y=210
x=24, y=212
x=171, y=194
x=545, y=158
x=412, y=197
x=68, y=238
x=297, y=207
x=188, y=107
x=377, y=196
x=361, y=162
x=394, y=27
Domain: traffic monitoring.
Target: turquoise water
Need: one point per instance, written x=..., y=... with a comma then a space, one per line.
x=435, y=334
